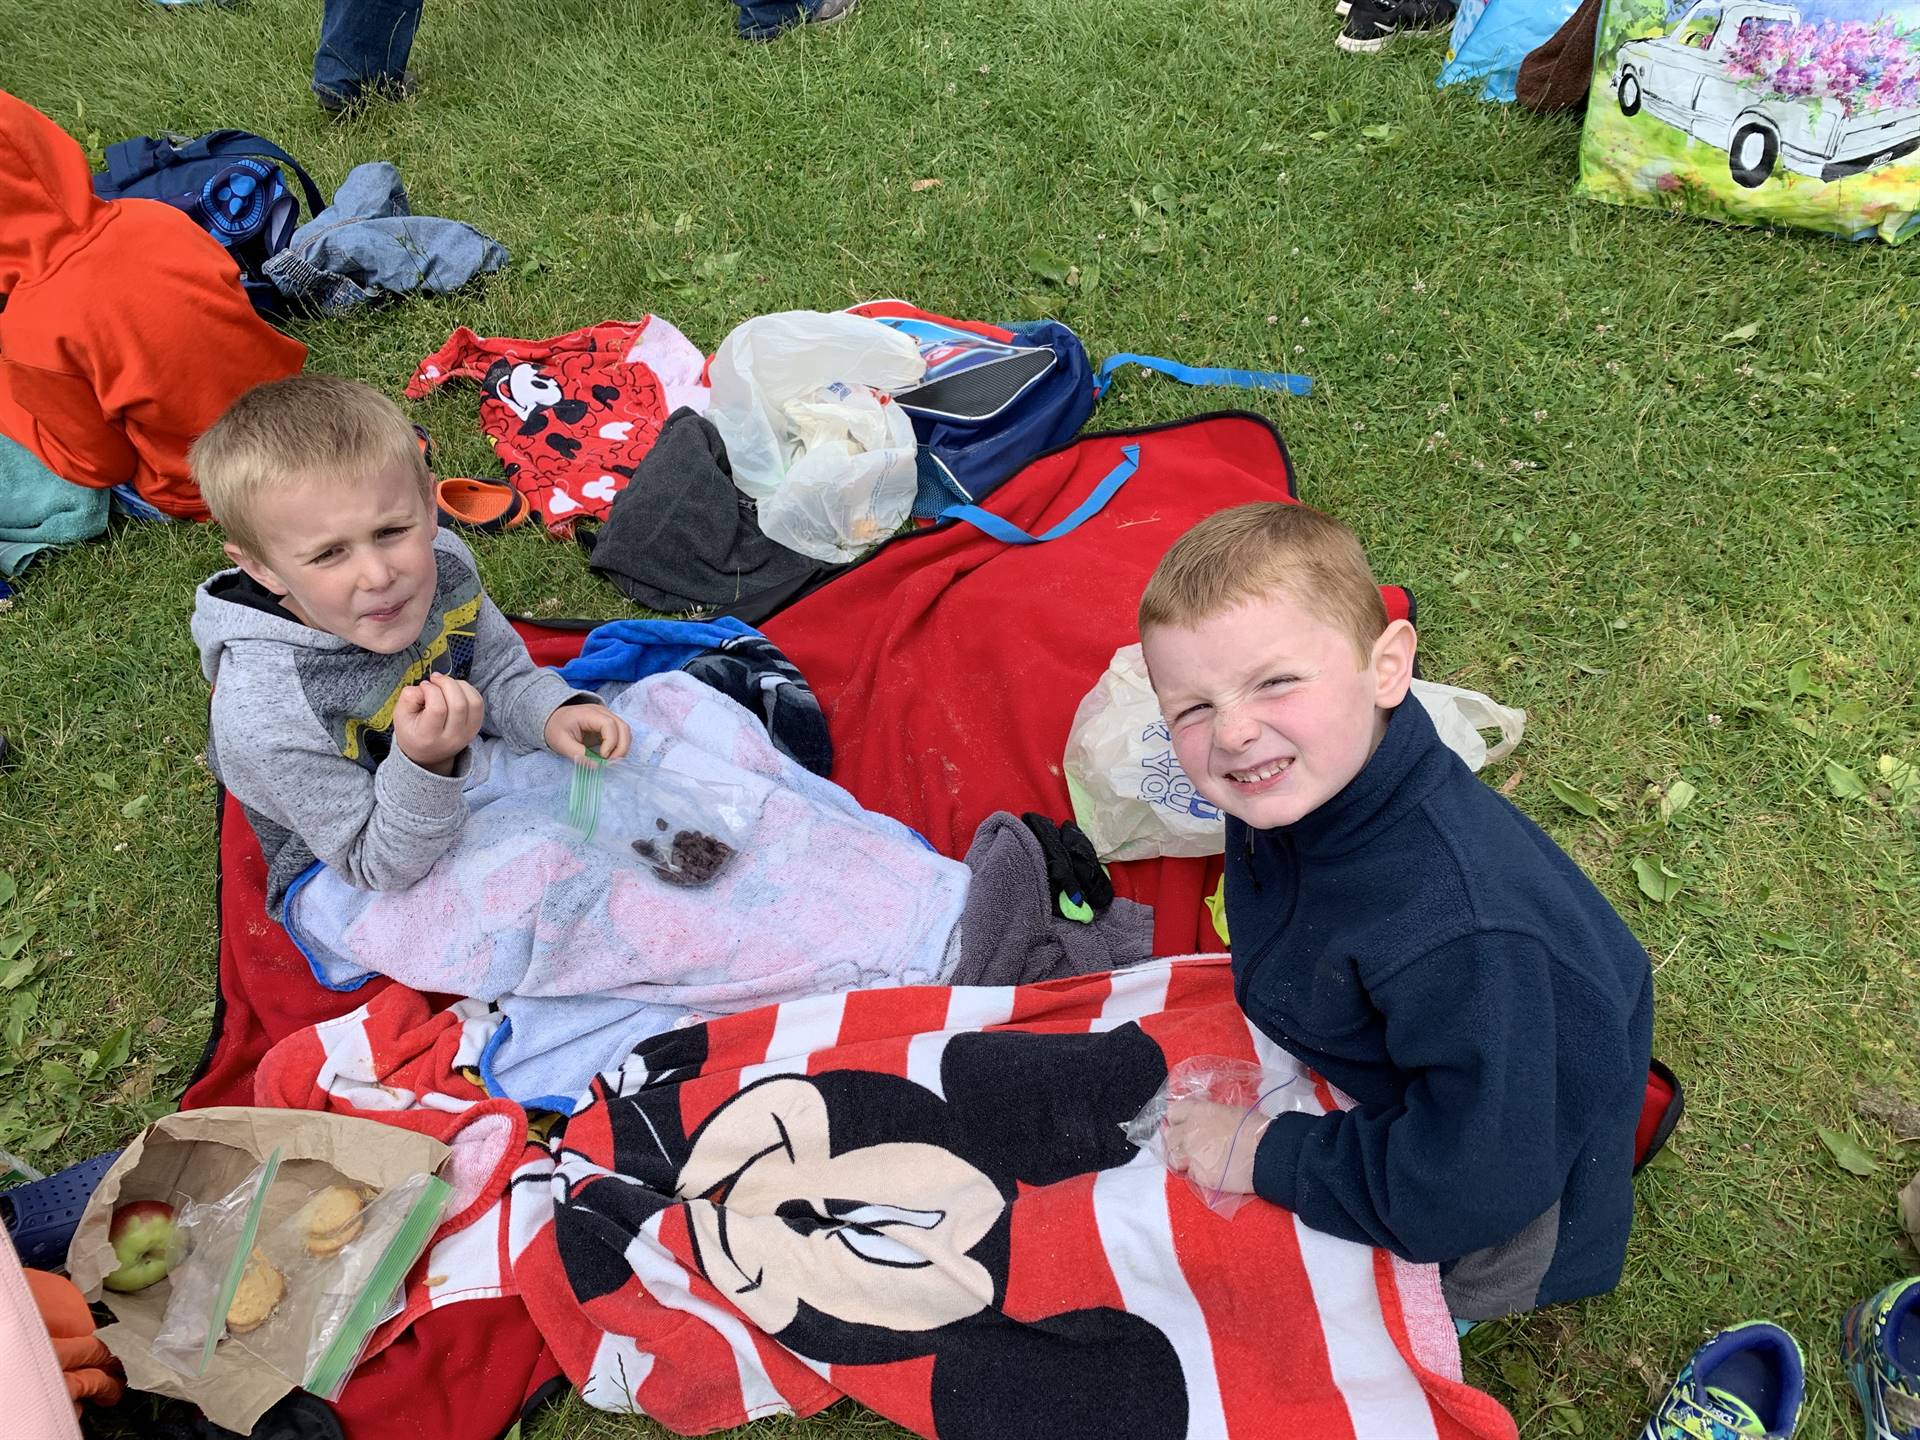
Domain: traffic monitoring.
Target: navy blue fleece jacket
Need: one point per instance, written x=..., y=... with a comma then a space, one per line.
x=1425, y=947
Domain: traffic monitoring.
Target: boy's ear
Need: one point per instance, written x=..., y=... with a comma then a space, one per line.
x=1392, y=663
x=255, y=568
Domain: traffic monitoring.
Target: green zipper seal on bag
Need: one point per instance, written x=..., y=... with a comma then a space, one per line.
x=584, y=792
x=249, y=1232
x=336, y=1362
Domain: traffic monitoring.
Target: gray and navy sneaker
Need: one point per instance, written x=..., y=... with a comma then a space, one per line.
x=1880, y=1343
x=1372, y=24
x=1745, y=1383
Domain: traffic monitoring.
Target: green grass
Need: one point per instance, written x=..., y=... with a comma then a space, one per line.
x=1689, y=558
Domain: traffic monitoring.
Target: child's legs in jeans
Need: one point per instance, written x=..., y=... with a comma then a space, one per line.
x=363, y=44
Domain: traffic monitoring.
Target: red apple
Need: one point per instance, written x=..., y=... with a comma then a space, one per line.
x=145, y=1243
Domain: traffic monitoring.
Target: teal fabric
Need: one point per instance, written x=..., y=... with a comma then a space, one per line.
x=39, y=510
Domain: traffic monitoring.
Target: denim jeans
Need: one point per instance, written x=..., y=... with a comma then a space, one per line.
x=363, y=46
x=764, y=19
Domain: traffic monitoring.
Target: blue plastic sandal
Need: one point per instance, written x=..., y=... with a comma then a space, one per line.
x=41, y=1216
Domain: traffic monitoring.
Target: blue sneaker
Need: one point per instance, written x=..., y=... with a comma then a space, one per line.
x=1746, y=1383
x=1880, y=1344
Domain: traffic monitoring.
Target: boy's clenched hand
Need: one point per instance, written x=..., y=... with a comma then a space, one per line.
x=437, y=719
x=1214, y=1144
x=571, y=727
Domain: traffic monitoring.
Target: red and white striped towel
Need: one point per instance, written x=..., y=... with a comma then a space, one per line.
x=919, y=1197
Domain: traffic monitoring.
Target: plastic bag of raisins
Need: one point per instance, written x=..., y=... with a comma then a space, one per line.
x=683, y=828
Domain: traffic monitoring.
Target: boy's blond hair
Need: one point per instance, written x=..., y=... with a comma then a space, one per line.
x=1253, y=552
x=306, y=427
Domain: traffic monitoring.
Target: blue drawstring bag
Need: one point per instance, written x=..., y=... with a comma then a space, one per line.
x=1491, y=38
x=995, y=396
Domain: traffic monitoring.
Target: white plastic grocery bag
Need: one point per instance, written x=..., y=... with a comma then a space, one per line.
x=1460, y=715
x=800, y=398
x=1129, y=793
x=1134, y=801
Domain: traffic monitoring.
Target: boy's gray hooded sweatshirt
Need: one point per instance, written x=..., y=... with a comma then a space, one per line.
x=302, y=726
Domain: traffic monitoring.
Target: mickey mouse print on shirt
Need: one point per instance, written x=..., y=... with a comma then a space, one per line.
x=570, y=417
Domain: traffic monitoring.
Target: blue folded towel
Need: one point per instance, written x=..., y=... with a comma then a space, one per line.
x=39, y=510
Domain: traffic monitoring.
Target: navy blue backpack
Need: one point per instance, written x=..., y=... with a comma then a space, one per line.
x=995, y=396
x=233, y=183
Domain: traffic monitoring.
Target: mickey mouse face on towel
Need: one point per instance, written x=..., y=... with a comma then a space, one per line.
x=877, y=1235
x=861, y=1218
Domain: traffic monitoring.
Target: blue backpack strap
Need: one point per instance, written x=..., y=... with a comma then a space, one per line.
x=227, y=143
x=129, y=162
x=1202, y=375
x=1008, y=533
x=133, y=163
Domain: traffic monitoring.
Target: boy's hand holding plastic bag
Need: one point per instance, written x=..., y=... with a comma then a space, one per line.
x=1214, y=1144
x=1207, y=1119
x=572, y=728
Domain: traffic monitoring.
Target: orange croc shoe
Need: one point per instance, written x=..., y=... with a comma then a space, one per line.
x=488, y=506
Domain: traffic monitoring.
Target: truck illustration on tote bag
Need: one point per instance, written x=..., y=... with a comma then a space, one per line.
x=1760, y=111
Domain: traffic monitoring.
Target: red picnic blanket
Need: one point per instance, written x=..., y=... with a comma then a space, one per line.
x=950, y=666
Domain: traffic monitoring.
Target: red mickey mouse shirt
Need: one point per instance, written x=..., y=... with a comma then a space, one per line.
x=570, y=417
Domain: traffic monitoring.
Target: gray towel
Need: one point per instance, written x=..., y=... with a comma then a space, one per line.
x=1011, y=932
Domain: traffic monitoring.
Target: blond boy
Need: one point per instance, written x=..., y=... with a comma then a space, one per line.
x=354, y=655
x=1399, y=927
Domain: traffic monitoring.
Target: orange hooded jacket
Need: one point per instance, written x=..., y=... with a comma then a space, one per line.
x=125, y=332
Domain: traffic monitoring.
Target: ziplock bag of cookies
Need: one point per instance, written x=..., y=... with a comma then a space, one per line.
x=344, y=1252
x=224, y=1282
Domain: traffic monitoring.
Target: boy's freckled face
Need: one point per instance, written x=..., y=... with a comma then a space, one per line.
x=354, y=558
x=1273, y=711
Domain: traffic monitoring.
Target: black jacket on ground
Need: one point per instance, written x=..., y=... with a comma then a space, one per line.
x=682, y=538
